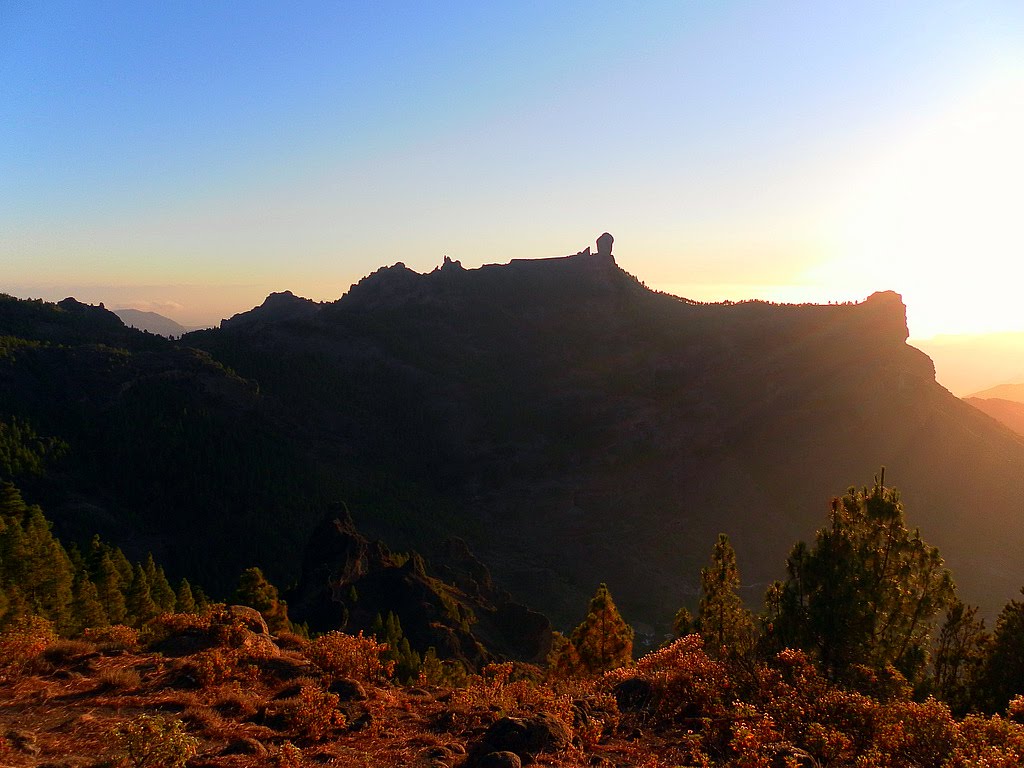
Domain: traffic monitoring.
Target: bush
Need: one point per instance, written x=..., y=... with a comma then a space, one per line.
x=314, y=713
x=119, y=680
x=156, y=742
x=114, y=638
x=686, y=683
x=340, y=655
x=68, y=651
x=22, y=643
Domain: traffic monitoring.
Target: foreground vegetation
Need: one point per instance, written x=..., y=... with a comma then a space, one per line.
x=218, y=690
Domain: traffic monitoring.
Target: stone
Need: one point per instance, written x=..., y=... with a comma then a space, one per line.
x=500, y=760
x=604, y=245
x=525, y=736
x=250, y=618
x=633, y=695
x=348, y=689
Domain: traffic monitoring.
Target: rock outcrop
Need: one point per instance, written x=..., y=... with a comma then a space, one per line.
x=347, y=581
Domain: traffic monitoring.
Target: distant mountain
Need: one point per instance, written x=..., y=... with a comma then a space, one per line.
x=969, y=362
x=1007, y=412
x=152, y=322
x=1014, y=392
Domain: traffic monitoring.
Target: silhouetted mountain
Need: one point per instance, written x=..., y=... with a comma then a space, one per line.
x=576, y=427
x=569, y=424
x=168, y=451
x=151, y=321
x=1007, y=412
x=1014, y=392
x=67, y=322
x=277, y=307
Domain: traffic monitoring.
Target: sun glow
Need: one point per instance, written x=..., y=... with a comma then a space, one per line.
x=938, y=218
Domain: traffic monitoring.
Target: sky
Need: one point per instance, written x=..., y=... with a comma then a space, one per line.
x=189, y=158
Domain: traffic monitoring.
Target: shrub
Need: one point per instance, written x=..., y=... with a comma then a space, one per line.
x=67, y=651
x=169, y=624
x=287, y=756
x=687, y=684
x=314, y=713
x=119, y=680
x=22, y=643
x=156, y=742
x=340, y=655
x=114, y=638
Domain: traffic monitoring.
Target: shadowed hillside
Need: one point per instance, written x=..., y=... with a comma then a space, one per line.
x=579, y=428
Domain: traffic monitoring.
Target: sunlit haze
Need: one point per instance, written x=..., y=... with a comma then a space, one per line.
x=190, y=158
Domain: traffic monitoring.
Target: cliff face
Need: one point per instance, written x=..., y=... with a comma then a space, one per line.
x=576, y=427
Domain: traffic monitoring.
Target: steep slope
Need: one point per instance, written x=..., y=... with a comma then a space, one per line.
x=1007, y=412
x=576, y=427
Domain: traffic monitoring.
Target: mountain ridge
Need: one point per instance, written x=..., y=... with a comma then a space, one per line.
x=540, y=396
x=573, y=426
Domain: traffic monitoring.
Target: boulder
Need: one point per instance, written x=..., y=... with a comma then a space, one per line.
x=500, y=760
x=525, y=736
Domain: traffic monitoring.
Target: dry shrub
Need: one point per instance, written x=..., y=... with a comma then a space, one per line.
x=686, y=683
x=212, y=667
x=312, y=715
x=156, y=742
x=341, y=655
x=289, y=641
x=993, y=742
x=286, y=756
x=22, y=643
x=227, y=629
x=65, y=652
x=231, y=701
x=169, y=624
x=114, y=638
x=202, y=719
x=126, y=679
x=497, y=692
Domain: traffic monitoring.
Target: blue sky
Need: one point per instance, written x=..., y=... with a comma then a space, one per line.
x=192, y=157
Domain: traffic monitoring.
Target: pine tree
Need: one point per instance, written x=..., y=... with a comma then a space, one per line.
x=184, y=601
x=202, y=602
x=563, y=660
x=109, y=589
x=603, y=640
x=159, y=588
x=12, y=505
x=16, y=606
x=960, y=652
x=139, y=602
x=682, y=623
x=14, y=557
x=255, y=591
x=867, y=592
x=407, y=660
x=86, y=610
x=48, y=576
x=727, y=627
x=1003, y=673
